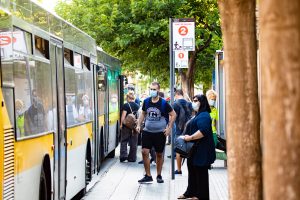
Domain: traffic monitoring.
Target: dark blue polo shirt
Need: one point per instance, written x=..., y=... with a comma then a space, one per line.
x=204, y=154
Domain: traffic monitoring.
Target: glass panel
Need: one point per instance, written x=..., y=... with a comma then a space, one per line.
x=55, y=26
x=22, y=9
x=9, y=103
x=41, y=47
x=101, y=92
x=24, y=3
x=22, y=41
x=4, y=3
x=22, y=92
x=54, y=97
x=40, y=17
x=7, y=73
x=88, y=101
x=33, y=94
x=77, y=61
x=68, y=57
x=113, y=93
x=71, y=105
x=86, y=63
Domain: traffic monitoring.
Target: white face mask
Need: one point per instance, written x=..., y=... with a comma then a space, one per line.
x=153, y=93
x=196, y=106
x=211, y=102
x=18, y=112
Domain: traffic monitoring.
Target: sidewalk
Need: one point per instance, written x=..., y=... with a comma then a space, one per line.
x=119, y=181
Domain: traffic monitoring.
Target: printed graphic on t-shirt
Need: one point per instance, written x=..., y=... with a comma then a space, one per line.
x=153, y=114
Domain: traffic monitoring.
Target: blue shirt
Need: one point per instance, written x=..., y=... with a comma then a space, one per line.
x=204, y=153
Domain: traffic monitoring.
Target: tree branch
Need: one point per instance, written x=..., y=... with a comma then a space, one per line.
x=205, y=45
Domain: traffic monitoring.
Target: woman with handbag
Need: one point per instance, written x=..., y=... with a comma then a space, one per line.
x=203, y=154
x=128, y=133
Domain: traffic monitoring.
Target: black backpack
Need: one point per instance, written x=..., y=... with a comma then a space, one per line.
x=184, y=115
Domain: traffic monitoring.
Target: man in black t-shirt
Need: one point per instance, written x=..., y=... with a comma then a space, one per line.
x=159, y=120
x=128, y=135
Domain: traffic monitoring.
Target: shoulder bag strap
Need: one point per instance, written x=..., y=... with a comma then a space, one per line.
x=130, y=107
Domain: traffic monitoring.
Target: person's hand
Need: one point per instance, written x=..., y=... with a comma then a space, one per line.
x=187, y=138
x=167, y=131
x=138, y=129
x=182, y=137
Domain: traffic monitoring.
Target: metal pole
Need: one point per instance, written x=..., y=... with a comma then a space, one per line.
x=171, y=91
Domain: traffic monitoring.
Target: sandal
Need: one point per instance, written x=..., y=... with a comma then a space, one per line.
x=182, y=197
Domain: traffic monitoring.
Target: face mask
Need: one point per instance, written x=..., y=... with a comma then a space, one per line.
x=19, y=112
x=211, y=102
x=153, y=93
x=195, y=106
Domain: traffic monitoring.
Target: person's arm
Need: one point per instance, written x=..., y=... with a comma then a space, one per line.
x=195, y=136
x=124, y=112
x=172, y=117
x=203, y=124
x=140, y=120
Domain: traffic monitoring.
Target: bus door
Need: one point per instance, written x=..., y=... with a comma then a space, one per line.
x=60, y=156
x=102, y=116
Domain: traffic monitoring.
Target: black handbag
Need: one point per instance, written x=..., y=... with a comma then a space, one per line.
x=184, y=148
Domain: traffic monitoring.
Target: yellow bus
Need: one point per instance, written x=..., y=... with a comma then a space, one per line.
x=60, y=104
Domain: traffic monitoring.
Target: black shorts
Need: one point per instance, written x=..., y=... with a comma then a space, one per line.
x=156, y=140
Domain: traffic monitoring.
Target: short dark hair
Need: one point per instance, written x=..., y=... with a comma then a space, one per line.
x=179, y=92
x=204, y=106
x=156, y=83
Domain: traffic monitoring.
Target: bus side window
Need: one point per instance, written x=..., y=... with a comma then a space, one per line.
x=101, y=91
x=33, y=94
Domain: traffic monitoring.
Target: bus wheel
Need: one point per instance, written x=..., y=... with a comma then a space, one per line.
x=43, y=193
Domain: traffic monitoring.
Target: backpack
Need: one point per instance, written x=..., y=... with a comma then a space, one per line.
x=163, y=107
x=184, y=116
x=130, y=120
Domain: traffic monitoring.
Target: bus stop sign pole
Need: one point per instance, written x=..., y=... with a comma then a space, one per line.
x=172, y=83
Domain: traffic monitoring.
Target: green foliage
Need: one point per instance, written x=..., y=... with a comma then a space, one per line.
x=137, y=31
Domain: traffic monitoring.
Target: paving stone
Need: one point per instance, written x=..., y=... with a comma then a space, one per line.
x=119, y=181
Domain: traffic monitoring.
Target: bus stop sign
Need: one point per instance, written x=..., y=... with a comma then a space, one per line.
x=183, y=34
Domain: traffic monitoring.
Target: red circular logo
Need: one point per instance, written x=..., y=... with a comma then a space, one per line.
x=4, y=40
x=181, y=55
x=183, y=30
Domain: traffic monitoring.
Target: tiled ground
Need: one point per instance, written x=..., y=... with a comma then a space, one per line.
x=119, y=181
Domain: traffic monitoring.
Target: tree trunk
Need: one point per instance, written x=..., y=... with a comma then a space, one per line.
x=188, y=77
x=242, y=108
x=280, y=64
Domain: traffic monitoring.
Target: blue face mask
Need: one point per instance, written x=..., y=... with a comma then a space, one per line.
x=153, y=93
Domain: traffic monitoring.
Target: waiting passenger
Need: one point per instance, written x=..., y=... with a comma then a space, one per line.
x=20, y=117
x=71, y=111
x=128, y=136
x=35, y=117
x=85, y=112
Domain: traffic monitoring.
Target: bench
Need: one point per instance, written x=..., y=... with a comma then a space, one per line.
x=221, y=155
